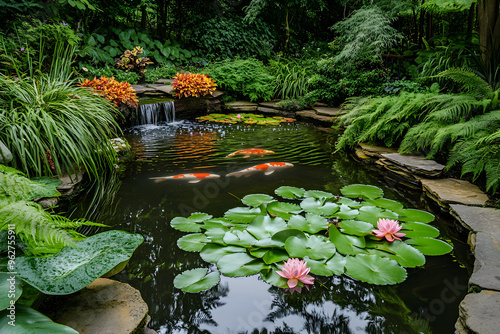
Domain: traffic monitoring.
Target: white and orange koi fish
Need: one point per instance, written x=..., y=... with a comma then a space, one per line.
x=268, y=169
x=193, y=177
x=249, y=152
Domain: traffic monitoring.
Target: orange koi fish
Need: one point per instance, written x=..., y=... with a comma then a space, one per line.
x=251, y=151
x=193, y=178
x=268, y=169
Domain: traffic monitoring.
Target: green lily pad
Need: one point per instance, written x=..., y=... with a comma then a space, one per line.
x=6, y=292
x=270, y=255
x=349, y=202
x=271, y=277
x=385, y=203
x=317, y=206
x=242, y=214
x=334, y=266
x=414, y=215
x=217, y=222
x=371, y=214
x=283, y=210
x=311, y=223
x=318, y=194
x=429, y=246
x=240, y=264
x=192, y=242
x=413, y=230
x=406, y=255
x=290, y=192
x=316, y=247
x=283, y=235
x=196, y=280
x=30, y=321
x=256, y=200
x=217, y=234
x=73, y=268
x=212, y=252
x=362, y=191
x=239, y=238
x=263, y=227
x=346, y=212
x=356, y=227
x=191, y=223
x=346, y=244
x=374, y=269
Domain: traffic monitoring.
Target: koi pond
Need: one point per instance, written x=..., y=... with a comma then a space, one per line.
x=427, y=301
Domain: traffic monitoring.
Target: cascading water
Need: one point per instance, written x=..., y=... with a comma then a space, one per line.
x=152, y=113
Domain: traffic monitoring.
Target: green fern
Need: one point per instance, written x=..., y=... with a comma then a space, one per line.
x=14, y=184
x=469, y=81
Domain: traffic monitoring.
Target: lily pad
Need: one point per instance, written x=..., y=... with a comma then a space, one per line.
x=270, y=255
x=316, y=247
x=30, y=321
x=191, y=223
x=263, y=227
x=283, y=235
x=196, y=280
x=414, y=215
x=239, y=238
x=256, y=200
x=317, y=206
x=290, y=192
x=346, y=212
x=346, y=244
x=271, y=277
x=242, y=214
x=374, y=269
x=385, y=203
x=318, y=194
x=311, y=223
x=356, y=227
x=240, y=264
x=192, y=242
x=371, y=214
x=406, y=255
x=430, y=246
x=334, y=266
x=283, y=210
x=212, y=252
x=217, y=234
x=362, y=191
x=350, y=202
x=413, y=230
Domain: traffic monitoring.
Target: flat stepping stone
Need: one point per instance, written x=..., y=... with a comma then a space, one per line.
x=216, y=93
x=320, y=104
x=477, y=219
x=479, y=313
x=265, y=110
x=164, y=81
x=487, y=264
x=272, y=104
x=416, y=164
x=104, y=306
x=312, y=114
x=140, y=89
x=334, y=112
x=376, y=151
x=241, y=106
x=167, y=89
x=454, y=191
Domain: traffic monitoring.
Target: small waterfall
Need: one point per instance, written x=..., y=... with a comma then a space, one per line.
x=153, y=113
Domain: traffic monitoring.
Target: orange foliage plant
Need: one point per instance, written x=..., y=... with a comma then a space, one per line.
x=115, y=91
x=192, y=84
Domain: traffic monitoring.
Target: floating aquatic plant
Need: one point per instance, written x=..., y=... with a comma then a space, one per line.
x=245, y=118
x=333, y=234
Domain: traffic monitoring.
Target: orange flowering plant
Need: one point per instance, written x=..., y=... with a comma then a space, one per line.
x=192, y=84
x=115, y=91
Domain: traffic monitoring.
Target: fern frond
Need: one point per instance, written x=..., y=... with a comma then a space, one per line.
x=14, y=183
x=470, y=81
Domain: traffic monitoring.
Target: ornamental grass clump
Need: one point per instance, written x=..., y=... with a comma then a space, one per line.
x=193, y=84
x=120, y=93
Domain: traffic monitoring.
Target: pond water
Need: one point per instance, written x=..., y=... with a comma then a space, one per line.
x=426, y=302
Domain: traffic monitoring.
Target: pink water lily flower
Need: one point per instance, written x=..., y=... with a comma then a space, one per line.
x=239, y=116
x=388, y=228
x=296, y=270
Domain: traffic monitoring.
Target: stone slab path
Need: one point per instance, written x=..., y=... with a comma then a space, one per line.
x=312, y=114
x=451, y=191
x=416, y=164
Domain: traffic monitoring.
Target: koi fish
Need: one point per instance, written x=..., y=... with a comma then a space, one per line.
x=251, y=151
x=268, y=169
x=193, y=178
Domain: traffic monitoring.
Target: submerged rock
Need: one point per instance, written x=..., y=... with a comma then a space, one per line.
x=479, y=313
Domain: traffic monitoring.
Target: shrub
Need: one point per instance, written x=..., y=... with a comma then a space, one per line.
x=90, y=72
x=192, y=84
x=117, y=92
x=161, y=72
x=291, y=79
x=131, y=61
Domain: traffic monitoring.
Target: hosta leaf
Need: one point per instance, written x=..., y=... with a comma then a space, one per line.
x=192, y=242
x=385, y=203
x=240, y=264
x=311, y=223
x=212, y=252
x=414, y=215
x=30, y=321
x=362, y=191
x=283, y=210
x=290, y=192
x=356, y=227
x=413, y=230
x=317, y=206
x=346, y=244
x=72, y=269
x=5, y=289
x=315, y=247
x=374, y=269
x=257, y=199
x=196, y=280
x=429, y=246
x=242, y=214
x=318, y=194
x=239, y=238
x=263, y=227
x=334, y=266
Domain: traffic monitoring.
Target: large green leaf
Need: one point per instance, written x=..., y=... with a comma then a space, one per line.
x=356, y=227
x=371, y=214
x=240, y=264
x=30, y=321
x=283, y=210
x=282, y=236
x=414, y=215
x=385, y=203
x=192, y=223
x=192, y=242
x=212, y=252
x=334, y=266
x=270, y=276
x=239, y=238
x=319, y=207
x=15, y=184
x=350, y=202
x=346, y=244
x=346, y=212
x=374, y=269
x=270, y=255
x=196, y=280
x=311, y=223
x=256, y=200
x=263, y=227
x=74, y=268
x=318, y=194
x=429, y=246
x=290, y=192
x=404, y=254
x=315, y=247
x=10, y=289
x=362, y=191
x=242, y=214
x=413, y=230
